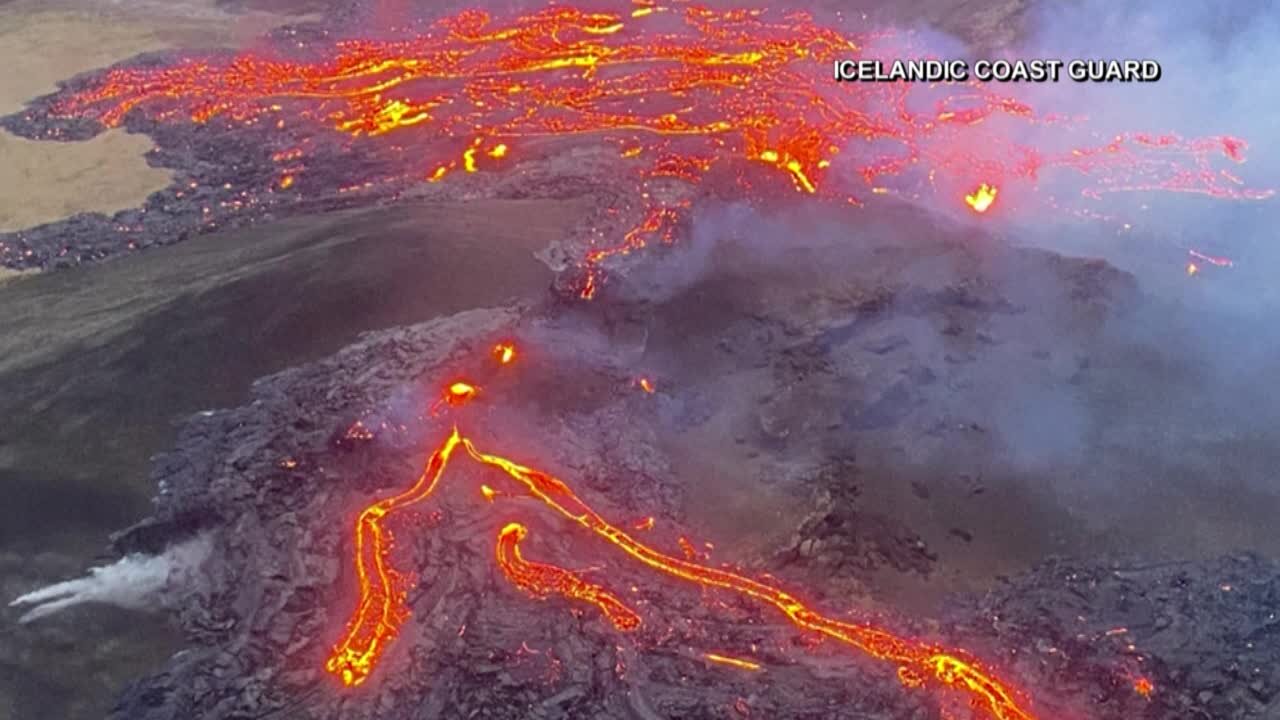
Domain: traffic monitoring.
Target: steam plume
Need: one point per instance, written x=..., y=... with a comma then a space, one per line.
x=134, y=582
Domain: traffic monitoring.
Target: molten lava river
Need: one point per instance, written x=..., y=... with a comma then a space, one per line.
x=677, y=89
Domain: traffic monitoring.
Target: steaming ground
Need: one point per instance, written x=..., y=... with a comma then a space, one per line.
x=998, y=406
x=134, y=582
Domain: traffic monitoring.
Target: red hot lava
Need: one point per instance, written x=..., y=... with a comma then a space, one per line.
x=982, y=198
x=382, y=607
x=678, y=88
x=541, y=580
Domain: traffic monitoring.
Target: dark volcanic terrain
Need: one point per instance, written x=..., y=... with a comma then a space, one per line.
x=833, y=421
x=101, y=361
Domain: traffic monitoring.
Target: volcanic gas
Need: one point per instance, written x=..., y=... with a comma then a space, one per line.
x=677, y=88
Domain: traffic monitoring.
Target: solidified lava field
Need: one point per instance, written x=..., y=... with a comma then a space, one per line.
x=767, y=446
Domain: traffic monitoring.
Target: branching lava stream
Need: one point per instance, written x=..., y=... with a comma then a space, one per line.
x=382, y=604
x=382, y=608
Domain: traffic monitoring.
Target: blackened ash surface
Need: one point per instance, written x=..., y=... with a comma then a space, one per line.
x=1206, y=635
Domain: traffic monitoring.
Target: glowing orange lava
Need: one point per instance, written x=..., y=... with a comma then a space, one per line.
x=947, y=667
x=381, y=608
x=982, y=198
x=541, y=580
x=504, y=352
x=1144, y=687
x=382, y=594
x=731, y=661
x=460, y=392
x=679, y=89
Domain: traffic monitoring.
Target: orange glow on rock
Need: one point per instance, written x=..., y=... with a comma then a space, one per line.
x=589, y=288
x=1144, y=687
x=504, y=352
x=731, y=661
x=982, y=198
x=460, y=392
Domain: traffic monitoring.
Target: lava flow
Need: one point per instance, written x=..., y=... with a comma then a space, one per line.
x=676, y=88
x=382, y=590
x=914, y=659
x=382, y=606
x=541, y=580
x=731, y=661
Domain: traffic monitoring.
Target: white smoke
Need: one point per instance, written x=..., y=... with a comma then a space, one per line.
x=135, y=582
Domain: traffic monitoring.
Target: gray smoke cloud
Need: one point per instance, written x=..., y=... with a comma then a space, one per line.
x=1213, y=328
x=136, y=582
x=1174, y=418
x=1196, y=422
x=1214, y=58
